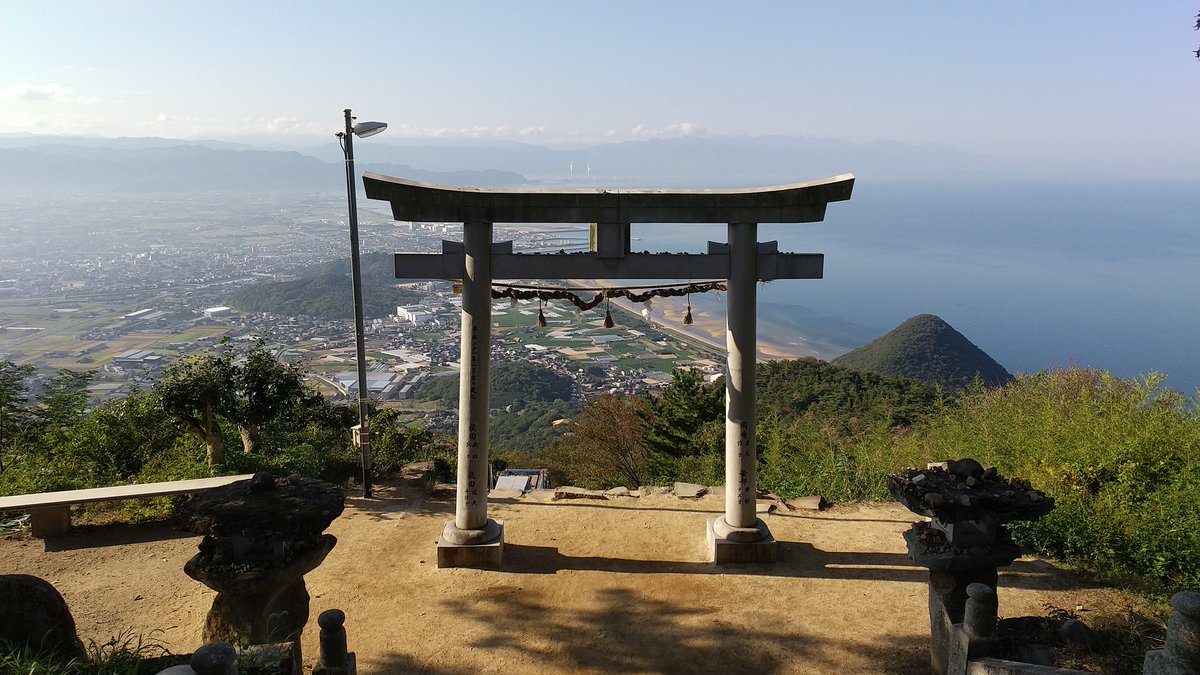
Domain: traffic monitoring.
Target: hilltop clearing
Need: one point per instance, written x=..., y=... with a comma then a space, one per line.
x=596, y=587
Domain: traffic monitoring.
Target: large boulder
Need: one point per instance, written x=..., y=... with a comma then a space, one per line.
x=34, y=617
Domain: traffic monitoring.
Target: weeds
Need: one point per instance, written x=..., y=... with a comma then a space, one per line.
x=127, y=653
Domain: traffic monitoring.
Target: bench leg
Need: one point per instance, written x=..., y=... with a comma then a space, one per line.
x=49, y=522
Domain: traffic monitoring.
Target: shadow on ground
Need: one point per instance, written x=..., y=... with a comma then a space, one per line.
x=116, y=534
x=624, y=631
x=796, y=560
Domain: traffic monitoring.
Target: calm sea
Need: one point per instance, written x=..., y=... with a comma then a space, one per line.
x=1039, y=274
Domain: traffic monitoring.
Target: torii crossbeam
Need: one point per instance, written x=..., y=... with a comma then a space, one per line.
x=472, y=539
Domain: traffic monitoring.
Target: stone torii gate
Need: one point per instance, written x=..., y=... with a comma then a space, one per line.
x=473, y=539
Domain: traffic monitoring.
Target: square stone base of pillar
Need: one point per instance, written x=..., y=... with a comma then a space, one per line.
x=486, y=556
x=726, y=552
x=50, y=521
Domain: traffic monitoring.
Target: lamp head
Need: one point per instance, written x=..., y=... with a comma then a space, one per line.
x=364, y=129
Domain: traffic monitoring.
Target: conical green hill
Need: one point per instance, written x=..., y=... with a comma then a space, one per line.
x=928, y=349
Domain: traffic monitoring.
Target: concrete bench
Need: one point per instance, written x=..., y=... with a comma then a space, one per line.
x=50, y=512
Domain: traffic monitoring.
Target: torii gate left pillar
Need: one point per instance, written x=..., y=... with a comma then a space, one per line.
x=474, y=540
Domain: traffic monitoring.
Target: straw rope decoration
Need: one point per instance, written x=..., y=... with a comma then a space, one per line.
x=633, y=293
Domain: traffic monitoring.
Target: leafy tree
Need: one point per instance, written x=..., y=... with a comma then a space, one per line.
x=394, y=444
x=606, y=447
x=62, y=403
x=195, y=390
x=248, y=394
x=263, y=390
x=118, y=440
x=14, y=415
x=674, y=417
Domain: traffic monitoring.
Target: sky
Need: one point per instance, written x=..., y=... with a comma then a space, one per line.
x=1106, y=83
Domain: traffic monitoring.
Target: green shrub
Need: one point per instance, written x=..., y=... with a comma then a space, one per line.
x=1121, y=458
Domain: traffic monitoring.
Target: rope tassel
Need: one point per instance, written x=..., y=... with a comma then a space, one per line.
x=608, y=322
x=541, y=320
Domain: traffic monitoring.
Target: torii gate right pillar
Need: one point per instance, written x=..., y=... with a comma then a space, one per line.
x=740, y=535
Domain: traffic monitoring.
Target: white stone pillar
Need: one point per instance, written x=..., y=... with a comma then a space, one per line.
x=740, y=536
x=466, y=540
x=473, y=381
x=741, y=471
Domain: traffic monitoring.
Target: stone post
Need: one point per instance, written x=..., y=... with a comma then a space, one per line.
x=1182, y=653
x=215, y=659
x=979, y=617
x=334, y=657
x=472, y=539
x=740, y=536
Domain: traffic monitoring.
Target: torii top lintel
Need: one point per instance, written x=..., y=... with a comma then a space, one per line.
x=425, y=202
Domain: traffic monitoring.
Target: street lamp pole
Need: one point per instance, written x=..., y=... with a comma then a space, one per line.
x=362, y=433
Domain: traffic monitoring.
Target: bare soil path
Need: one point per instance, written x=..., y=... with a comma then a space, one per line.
x=587, y=587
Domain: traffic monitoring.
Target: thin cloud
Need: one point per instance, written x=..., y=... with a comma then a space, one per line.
x=23, y=91
x=670, y=131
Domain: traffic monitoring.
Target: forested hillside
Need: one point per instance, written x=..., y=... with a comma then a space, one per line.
x=325, y=291
x=789, y=388
x=513, y=384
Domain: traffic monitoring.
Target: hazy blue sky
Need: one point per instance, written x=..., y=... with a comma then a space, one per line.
x=1106, y=83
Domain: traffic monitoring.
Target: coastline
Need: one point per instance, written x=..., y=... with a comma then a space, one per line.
x=707, y=327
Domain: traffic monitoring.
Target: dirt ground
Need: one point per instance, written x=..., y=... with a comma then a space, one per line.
x=587, y=587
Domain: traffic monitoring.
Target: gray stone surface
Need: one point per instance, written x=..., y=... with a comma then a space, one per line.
x=812, y=503
x=215, y=659
x=1076, y=635
x=490, y=532
x=506, y=494
x=333, y=657
x=263, y=506
x=487, y=555
x=1187, y=603
x=979, y=613
x=50, y=521
x=795, y=203
x=1038, y=655
x=260, y=538
x=689, y=490
x=34, y=615
x=990, y=666
x=619, y=492
x=569, y=492
x=726, y=551
x=1183, y=631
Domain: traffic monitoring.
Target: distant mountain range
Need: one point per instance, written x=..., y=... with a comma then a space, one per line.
x=695, y=161
x=168, y=165
x=161, y=165
x=928, y=349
